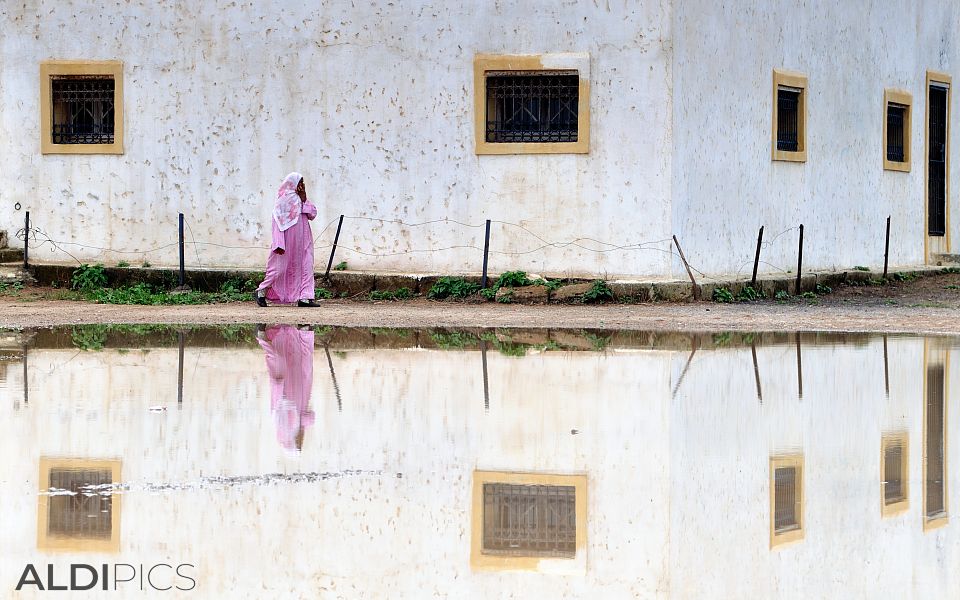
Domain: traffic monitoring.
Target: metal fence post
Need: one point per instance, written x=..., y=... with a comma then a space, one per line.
x=886, y=250
x=486, y=252
x=336, y=238
x=756, y=259
x=800, y=259
x=26, y=240
x=182, y=274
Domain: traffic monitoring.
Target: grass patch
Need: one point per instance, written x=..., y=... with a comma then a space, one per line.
x=749, y=294
x=860, y=268
x=452, y=287
x=599, y=291
x=322, y=293
x=123, y=264
x=722, y=294
x=340, y=266
x=454, y=340
x=399, y=294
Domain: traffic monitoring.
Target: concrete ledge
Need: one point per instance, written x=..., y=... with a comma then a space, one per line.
x=353, y=283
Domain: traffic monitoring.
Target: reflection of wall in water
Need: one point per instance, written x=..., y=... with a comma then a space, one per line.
x=680, y=488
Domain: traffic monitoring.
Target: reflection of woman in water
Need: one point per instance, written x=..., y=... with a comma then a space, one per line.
x=289, y=353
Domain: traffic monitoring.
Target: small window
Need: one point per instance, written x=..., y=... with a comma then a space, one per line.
x=76, y=510
x=521, y=519
x=789, y=116
x=896, y=130
x=786, y=500
x=532, y=104
x=81, y=108
x=894, y=483
x=529, y=520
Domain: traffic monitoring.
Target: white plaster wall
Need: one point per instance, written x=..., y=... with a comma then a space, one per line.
x=372, y=101
x=725, y=185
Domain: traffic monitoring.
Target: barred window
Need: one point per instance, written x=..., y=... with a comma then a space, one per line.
x=893, y=464
x=785, y=512
x=83, y=110
x=85, y=514
x=789, y=116
x=529, y=520
x=532, y=106
x=896, y=113
x=786, y=499
x=788, y=121
x=935, y=506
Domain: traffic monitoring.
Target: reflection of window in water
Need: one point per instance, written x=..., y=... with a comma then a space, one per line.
x=529, y=520
x=934, y=467
x=73, y=513
x=894, y=484
x=84, y=514
x=786, y=499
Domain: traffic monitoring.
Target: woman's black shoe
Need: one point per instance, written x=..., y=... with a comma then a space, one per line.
x=261, y=301
x=308, y=303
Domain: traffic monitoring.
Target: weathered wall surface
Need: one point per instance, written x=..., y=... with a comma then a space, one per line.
x=372, y=101
x=725, y=185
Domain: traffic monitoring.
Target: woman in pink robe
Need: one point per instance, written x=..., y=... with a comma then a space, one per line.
x=289, y=353
x=289, y=276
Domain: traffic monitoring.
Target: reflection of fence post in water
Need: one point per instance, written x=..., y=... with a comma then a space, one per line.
x=26, y=381
x=333, y=376
x=694, y=346
x=756, y=370
x=486, y=383
x=799, y=369
x=886, y=369
x=180, y=337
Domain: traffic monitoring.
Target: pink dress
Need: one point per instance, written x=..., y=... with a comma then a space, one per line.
x=289, y=276
x=289, y=353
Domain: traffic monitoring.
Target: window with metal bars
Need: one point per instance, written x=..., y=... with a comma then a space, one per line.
x=83, y=109
x=529, y=520
x=85, y=514
x=896, y=119
x=934, y=465
x=532, y=106
x=788, y=119
x=937, y=158
x=786, y=500
x=893, y=471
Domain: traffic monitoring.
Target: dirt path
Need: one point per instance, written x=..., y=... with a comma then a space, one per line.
x=925, y=305
x=702, y=316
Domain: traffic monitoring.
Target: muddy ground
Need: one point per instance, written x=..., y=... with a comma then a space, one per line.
x=925, y=305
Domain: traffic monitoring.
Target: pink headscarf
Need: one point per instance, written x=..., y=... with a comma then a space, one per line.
x=286, y=211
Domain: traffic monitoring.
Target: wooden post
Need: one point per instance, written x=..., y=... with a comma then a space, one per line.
x=756, y=260
x=886, y=250
x=486, y=251
x=800, y=259
x=336, y=238
x=696, y=288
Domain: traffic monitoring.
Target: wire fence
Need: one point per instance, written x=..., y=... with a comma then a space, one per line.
x=780, y=244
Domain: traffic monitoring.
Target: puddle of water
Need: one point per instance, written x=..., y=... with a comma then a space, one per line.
x=321, y=462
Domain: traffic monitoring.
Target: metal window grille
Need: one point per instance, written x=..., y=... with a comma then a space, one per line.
x=896, y=114
x=936, y=187
x=529, y=520
x=788, y=119
x=935, y=460
x=785, y=500
x=893, y=473
x=83, y=515
x=83, y=110
x=532, y=106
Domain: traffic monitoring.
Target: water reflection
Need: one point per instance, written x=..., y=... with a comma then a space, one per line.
x=289, y=356
x=602, y=463
x=76, y=509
